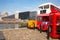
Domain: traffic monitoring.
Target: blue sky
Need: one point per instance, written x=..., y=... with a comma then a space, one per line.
x=23, y=5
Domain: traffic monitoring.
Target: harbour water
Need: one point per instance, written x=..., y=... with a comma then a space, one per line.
x=7, y=26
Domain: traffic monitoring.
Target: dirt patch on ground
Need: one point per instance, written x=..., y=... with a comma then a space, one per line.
x=23, y=34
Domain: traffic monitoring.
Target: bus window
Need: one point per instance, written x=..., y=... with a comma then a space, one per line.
x=45, y=18
x=52, y=6
x=46, y=6
x=42, y=11
x=55, y=8
x=39, y=18
x=41, y=7
x=58, y=26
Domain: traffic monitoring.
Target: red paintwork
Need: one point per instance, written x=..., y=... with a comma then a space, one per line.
x=54, y=14
x=38, y=25
x=45, y=27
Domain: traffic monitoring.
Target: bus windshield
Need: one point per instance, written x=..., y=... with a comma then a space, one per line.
x=39, y=18
x=45, y=18
x=42, y=11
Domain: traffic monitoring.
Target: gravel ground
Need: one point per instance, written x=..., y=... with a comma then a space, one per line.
x=23, y=34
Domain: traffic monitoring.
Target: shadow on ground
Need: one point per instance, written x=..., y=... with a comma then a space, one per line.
x=2, y=36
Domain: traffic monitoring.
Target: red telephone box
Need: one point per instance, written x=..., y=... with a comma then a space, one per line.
x=54, y=27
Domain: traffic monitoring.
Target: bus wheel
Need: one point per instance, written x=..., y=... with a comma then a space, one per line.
x=40, y=29
x=50, y=38
x=49, y=31
x=59, y=38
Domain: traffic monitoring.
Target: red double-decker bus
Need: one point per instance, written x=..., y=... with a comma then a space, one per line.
x=54, y=26
x=54, y=23
x=43, y=17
